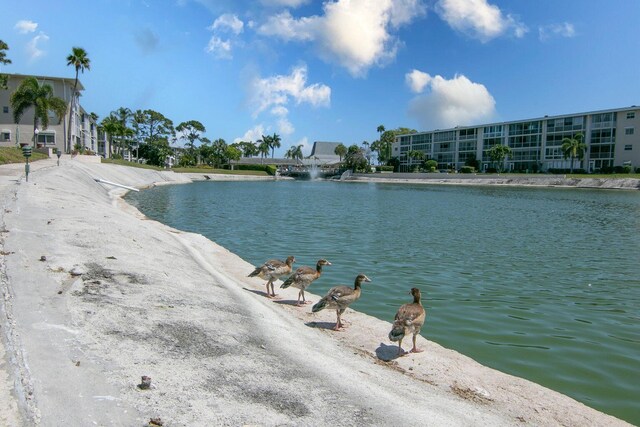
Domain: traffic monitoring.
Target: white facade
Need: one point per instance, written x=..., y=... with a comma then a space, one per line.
x=84, y=129
x=612, y=138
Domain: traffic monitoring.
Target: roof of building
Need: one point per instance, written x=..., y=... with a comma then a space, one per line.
x=323, y=153
x=71, y=80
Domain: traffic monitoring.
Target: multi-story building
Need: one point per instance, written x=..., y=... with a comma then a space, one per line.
x=536, y=144
x=84, y=127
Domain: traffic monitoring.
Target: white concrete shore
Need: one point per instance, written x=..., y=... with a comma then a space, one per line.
x=95, y=296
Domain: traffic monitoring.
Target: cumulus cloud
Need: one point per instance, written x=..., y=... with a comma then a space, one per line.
x=25, y=26
x=479, y=19
x=217, y=46
x=33, y=47
x=276, y=92
x=417, y=80
x=355, y=34
x=228, y=22
x=284, y=3
x=252, y=135
x=556, y=30
x=449, y=103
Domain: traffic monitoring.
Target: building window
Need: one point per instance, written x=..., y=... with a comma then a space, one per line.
x=628, y=131
x=631, y=115
x=47, y=138
x=628, y=147
x=5, y=136
x=5, y=109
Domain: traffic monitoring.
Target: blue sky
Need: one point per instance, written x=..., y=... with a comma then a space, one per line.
x=334, y=70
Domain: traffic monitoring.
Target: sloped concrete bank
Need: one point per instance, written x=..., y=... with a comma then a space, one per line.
x=96, y=296
x=510, y=180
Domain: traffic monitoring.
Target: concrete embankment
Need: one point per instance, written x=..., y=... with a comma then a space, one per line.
x=96, y=296
x=506, y=180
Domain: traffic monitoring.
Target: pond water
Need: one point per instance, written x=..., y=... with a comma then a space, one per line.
x=539, y=283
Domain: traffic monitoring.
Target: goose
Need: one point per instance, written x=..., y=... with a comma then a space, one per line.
x=340, y=297
x=272, y=270
x=409, y=320
x=303, y=277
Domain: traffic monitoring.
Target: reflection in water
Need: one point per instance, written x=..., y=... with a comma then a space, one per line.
x=540, y=283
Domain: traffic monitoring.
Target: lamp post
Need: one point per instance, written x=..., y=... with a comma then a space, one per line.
x=58, y=153
x=35, y=137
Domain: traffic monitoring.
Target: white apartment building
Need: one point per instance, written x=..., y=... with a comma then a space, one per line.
x=610, y=136
x=84, y=128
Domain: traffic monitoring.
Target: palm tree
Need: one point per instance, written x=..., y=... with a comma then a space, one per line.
x=3, y=61
x=295, y=152
x=264, y=146
x=31, y=94
x=415, y=155
x=275, y=143
x=341, y=150
x=79, y=59
x=574, y=148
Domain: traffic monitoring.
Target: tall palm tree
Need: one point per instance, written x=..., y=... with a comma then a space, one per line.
x=31, y=94
x=3, y=61
x=264, y=146
x=80, y=61
x=574, y=148
x=340, y=150
x=274, y=142
x=295, y=152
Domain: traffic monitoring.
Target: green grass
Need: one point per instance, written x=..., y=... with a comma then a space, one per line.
x=14, y=155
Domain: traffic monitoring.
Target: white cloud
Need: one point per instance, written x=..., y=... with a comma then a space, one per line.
x=228, y=22
x=252, y=135
x=352, y=33
x=24, y=26
x=285, y=3
x=285, y=127
x=417, y=80
x=556, y=30
x=478, y=19
x=219, y=48
x=449, y=103
x=33, y=47
x=278, y=91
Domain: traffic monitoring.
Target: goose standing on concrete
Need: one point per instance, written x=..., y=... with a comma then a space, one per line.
x=272, y=270
x=409, y=320
x=303, y=277
x=339, y=298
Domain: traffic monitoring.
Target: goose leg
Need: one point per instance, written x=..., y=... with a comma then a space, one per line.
x=401, y=352
x=338, y=322
x=415, y=349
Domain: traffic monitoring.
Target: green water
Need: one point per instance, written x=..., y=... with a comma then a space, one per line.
x=539, y=283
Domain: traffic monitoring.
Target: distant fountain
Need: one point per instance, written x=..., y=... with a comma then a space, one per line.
x=313, y=172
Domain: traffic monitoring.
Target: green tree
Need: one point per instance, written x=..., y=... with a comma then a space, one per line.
x=295, y=152
x=155, y=131
x=574, y=148
x=249, y=149
x=341, y=150
x=4, y=61
x=80, y=61
x=498, y=153
x=431, y=165
x=190, y=131
x=415, y=155
x=264, y=146
x=355, y=159
x=31, y=94
x=274, y=142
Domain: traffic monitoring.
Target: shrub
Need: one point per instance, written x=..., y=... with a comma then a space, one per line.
x=467, y=169
x=384, y=168
x=270, y=169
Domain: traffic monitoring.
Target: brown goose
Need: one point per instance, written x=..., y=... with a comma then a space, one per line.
x=272, y=270
x=409, y=320
x=339, y=298
x=303, y=277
